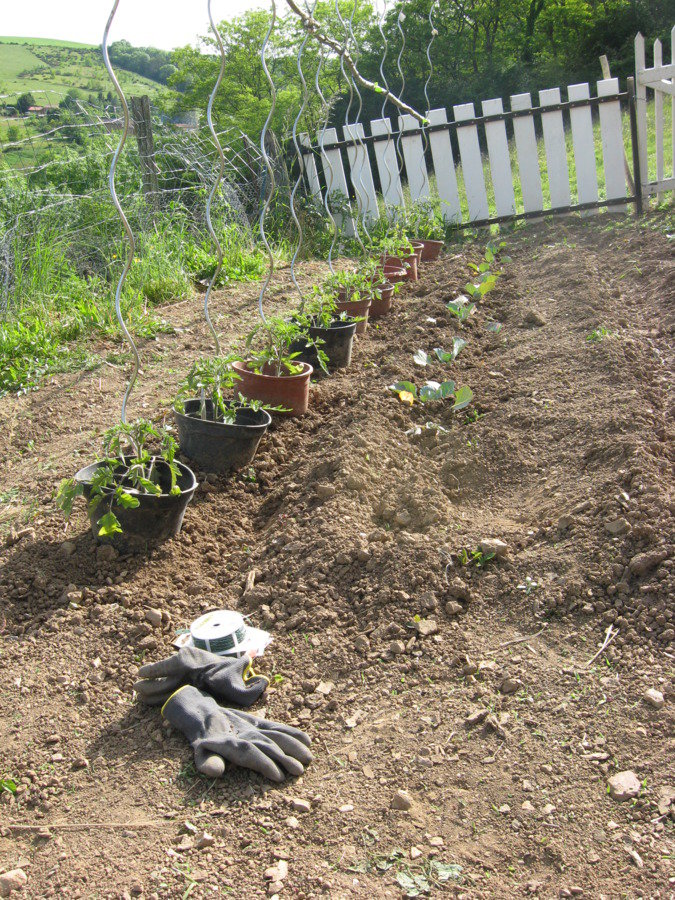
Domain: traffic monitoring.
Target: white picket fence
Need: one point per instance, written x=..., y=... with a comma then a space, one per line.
x=660, y=79
x=404, y=169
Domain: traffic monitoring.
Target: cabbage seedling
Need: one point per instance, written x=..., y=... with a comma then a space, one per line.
x=448, y=356
x=461, y=308
x=432, y=391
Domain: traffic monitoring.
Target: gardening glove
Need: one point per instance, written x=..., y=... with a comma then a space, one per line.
x=225, y=678
x=219, y=735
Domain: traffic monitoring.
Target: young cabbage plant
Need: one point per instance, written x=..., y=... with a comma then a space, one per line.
x=461, y=308
x=432, y=391
x=448, y=356
x=129, y=467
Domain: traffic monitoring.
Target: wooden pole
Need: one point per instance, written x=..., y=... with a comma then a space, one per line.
x=634, y=143
x=142, y=124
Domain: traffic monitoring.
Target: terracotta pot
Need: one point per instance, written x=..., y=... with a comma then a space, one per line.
x=418, y=248
x=409, y=263
x=356, y=308
x=289, y=391
x=431, y=249
x=382, y=301
x=395, y=274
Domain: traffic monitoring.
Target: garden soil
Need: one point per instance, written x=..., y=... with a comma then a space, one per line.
x=461, y=715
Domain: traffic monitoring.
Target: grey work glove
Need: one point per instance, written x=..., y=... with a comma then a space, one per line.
x=217, y=735
x=224, y=677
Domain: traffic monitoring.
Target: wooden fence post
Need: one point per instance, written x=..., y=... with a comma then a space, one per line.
x=142, y=122
x=641, y=112
x=634, y=140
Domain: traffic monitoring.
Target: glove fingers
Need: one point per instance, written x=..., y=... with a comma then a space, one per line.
x=269, y=748
x=171, y=666
x=248, y=756
x=267, y=725
x=210, y=764
x=156, y=690
x=291, y=747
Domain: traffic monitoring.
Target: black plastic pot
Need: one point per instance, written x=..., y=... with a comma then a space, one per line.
x=157, y=518
x=337, y=339
x=220, y=446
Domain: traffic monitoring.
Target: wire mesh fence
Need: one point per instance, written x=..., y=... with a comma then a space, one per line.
x=56, y=217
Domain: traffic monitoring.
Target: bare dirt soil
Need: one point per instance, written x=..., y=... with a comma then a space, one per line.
x=464, y=687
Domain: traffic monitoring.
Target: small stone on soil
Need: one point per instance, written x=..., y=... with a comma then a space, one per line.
x=653, y=698
x=624, y=786
x=401, y=800
x=300, y=805
x=494, y=545
x=14, y=880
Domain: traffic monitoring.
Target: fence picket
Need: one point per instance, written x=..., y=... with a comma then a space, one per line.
x=413, y=155
x=361, y=174
x=556, y=151
x=672, y=100
x=334, y=173
x=387, y=164
x=641, y=110
x=500, y=162
x=528, y=155
x=308, y=162
x=472, y=163
x=444, y=167
x=658, y=120
x=583, y=143
x=611, y=134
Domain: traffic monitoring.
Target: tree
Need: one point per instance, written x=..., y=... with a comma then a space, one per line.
x=24, y=103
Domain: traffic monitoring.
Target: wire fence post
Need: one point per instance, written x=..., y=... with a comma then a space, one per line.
x=142, y=125
x=637, y=176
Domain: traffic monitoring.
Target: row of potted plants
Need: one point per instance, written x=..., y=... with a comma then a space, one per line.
x=138, y=491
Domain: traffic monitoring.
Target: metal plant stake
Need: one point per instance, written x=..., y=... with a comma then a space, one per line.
x=118, y=207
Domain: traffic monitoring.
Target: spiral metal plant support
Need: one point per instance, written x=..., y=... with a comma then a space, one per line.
x=433, y=35
x=385, y=44
x=303, y=107
x=216, y=184
x=399, y=24
x=359, y=139
x=322, y=142
x=120, y=211
x=350, y=85
x=268, y=165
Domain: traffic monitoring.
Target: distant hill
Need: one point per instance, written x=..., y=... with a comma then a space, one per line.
x=50, y=68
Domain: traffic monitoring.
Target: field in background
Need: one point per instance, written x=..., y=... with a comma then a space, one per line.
x=34, y=64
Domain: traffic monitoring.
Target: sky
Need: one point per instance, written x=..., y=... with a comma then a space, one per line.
x=153, y=23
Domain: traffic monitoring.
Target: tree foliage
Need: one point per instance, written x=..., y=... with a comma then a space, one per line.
x=484, y=48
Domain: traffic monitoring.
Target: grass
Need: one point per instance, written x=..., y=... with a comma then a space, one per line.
x=52, y=68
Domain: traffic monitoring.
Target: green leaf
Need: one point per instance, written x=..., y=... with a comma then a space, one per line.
x=446, y=871
x=149, y=486
x=68, y=490
x=408, y=883
x=109, y=525
x=8, y=784
x=126, y=500
x=421, y=358
x=403, y=386
x=463, y=396
x=447, y=389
